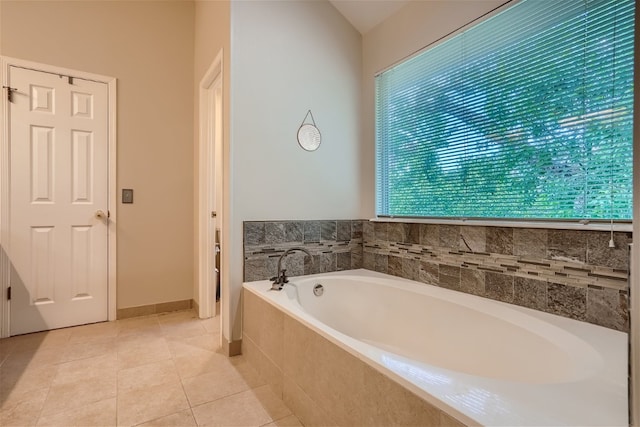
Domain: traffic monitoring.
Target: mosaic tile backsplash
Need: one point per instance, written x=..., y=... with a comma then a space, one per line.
x=571, y=273
x=335, y=245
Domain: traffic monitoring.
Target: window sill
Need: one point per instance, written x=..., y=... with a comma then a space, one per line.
x=569, y=225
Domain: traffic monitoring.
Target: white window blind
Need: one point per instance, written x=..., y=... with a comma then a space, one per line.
x=526, y=115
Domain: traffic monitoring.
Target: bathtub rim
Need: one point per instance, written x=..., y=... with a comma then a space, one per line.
x=362, y=351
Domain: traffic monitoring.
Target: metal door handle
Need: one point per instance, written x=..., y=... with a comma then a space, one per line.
x=100, y=214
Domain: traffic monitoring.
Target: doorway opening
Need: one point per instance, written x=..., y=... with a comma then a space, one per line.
x=211, y=198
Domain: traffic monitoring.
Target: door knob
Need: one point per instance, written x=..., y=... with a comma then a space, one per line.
x=100, y=214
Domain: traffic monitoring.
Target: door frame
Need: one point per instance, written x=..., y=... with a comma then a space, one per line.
x=5, y=63
x=210, y=173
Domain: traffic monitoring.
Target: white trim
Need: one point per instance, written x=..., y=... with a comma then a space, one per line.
x=569, y=225
x=634, y=339
x=634, y=267
x=490, y=14
x=5, y=265
x=210, y=82
x=5, y=63
x=113, y=199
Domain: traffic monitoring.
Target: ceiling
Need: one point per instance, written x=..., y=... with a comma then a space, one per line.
x=366, y=14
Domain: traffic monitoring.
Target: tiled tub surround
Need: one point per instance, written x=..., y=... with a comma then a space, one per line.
x=323, y=384
x=337, y=362
x=571, y=273
x=335, y=245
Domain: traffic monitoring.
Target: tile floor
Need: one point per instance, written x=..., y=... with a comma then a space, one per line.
x=160, y=370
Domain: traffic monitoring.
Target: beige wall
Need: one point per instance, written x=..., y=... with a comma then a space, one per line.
x=288, y=57
x=148, y=47
x=413, y=27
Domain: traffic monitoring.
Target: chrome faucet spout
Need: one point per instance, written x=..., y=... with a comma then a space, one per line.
x=281, y=277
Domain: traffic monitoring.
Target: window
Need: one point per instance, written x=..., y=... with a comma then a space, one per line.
x=526, y=115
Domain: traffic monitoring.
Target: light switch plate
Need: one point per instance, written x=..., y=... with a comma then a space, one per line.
x=127, y=195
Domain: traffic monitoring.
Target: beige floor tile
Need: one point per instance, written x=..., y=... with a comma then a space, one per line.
x=290, y=421
x=242, y=409
x=10, y=399
x=6, y=345
x=182, y=330
x=93, y=332
x=150, y=403
x=104, y=366
x=4, y=352
x=180, y=350
x=101, y=413
x=36, y=356
x=133, y=371
x=132, y=335
x=78, y=394
x=179, y=419
x=24, y=412
x=215, y=385
x=200, y=363
x=137, y=341
x=85, y=349
x=249, y=374
x=25, y=379
x=147, y=325
x=271, y=403
x=151, y=374
x=54, y=338
x=191, y=346
x=212, y=325
x=143, y=352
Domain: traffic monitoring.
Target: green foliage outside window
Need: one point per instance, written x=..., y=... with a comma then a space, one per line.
x=525, y=115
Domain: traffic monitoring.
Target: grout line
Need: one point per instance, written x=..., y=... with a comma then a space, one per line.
x=193, y=415
x=44, y=401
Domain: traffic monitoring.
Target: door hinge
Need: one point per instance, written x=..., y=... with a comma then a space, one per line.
x=10, y=91
x=9, y=293
x=69, y=78
x=213, y=214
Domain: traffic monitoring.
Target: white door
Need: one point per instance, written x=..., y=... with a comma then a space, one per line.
x=58, y=200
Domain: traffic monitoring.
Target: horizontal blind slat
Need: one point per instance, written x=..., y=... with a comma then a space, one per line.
x=518, y=117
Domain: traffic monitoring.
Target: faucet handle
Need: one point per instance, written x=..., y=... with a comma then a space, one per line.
x=283, y=277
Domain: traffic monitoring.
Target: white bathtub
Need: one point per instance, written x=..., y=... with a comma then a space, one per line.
x=482, y=361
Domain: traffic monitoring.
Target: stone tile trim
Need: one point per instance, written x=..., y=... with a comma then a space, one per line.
x=315, y=248
x=563, y=272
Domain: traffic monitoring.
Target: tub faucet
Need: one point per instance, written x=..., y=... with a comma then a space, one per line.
x=281, y=277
